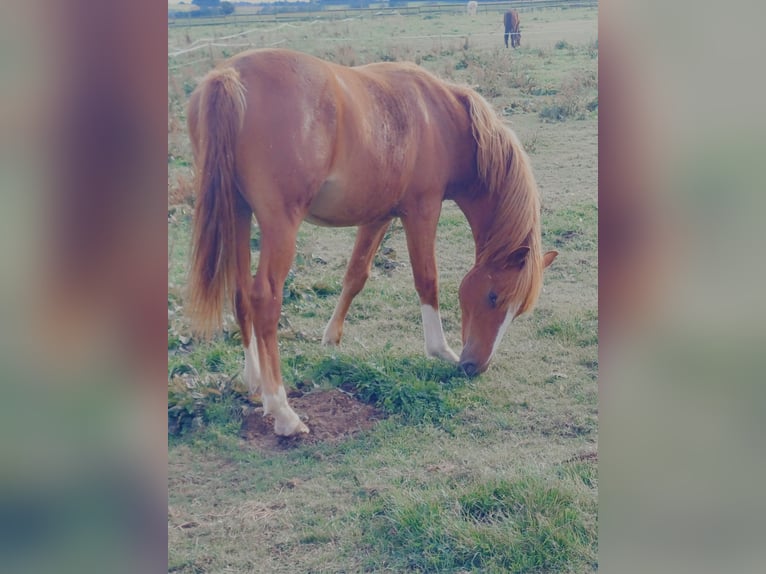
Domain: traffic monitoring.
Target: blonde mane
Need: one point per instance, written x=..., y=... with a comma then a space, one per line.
x=506, y=176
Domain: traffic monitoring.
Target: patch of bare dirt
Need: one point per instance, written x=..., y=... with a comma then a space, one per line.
x=584, y=456
x=332, y=416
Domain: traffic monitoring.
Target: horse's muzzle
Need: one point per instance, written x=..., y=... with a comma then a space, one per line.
x=471, y=362
x=469, y=368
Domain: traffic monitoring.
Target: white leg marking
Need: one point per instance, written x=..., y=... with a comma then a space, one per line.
x=252, y=366
x=501, y=330
x=286, y=422
x=436, y=344
x=332, y=333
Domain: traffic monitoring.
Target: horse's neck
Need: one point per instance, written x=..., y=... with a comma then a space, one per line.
x=479, y=210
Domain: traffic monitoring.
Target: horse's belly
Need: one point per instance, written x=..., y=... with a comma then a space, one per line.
x=340, y=204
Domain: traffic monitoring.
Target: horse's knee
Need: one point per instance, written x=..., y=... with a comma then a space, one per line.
x=356, y=282
x=266, y=303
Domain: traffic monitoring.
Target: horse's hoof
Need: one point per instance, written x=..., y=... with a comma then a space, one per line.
x=446, y=354
x=294, y=428
x=330, y=340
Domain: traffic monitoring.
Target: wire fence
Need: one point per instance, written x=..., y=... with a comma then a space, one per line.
x=310, y=19
x=338, y=12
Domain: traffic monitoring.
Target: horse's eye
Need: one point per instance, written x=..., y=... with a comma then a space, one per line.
x=492, y=299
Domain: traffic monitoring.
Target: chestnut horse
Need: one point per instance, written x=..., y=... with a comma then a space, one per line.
x=289, y=137
x=511, y=22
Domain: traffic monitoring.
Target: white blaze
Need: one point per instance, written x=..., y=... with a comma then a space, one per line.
x=502, y=329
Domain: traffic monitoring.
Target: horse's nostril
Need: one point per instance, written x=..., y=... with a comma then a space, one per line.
x=469, y=369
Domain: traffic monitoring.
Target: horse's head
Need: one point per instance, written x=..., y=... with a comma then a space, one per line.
x=491, y=295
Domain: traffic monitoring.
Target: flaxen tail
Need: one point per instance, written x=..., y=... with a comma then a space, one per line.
x=216, y=115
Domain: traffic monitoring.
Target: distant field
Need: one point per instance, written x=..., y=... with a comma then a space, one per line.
x=496, y=474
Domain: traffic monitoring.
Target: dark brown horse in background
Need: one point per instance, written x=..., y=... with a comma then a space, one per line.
x=511, y=22
x=288, y=137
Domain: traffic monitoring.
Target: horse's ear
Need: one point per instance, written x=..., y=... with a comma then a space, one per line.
x=517, y=258
x=548, y=258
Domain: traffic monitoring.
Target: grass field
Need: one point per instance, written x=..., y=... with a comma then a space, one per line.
x=495, y=474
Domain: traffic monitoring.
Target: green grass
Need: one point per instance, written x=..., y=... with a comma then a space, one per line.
x=525, y=525
x=195, y=403
x=413, y=388
x=576, y=330
x=584, y=472
x=573, y=228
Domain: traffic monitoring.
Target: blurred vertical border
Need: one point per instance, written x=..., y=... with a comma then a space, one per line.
x=682, y=343
x=83, y=286
x=83, y=283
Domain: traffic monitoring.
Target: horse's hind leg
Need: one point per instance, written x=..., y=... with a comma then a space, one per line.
x=277, y=252
x=421, y=236
x=242, y=309
x=368, y=239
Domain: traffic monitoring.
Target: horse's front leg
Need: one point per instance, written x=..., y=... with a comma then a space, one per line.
x=277, y=253
x=420, y=227
x=368, y=239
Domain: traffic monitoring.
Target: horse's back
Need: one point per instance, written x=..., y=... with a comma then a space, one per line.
x=345, y=143
x=511, y=21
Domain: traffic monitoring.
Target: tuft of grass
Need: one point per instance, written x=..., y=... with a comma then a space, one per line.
x=526, y=525
x=215, y=360
x=554, y=113
x=413, y=388
x=189, y=87
x=577, y=97
x=576, y=330
x=530, y=142
x=295, y=291
x=573, y=228
x=584, y=472
x=196, y=403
